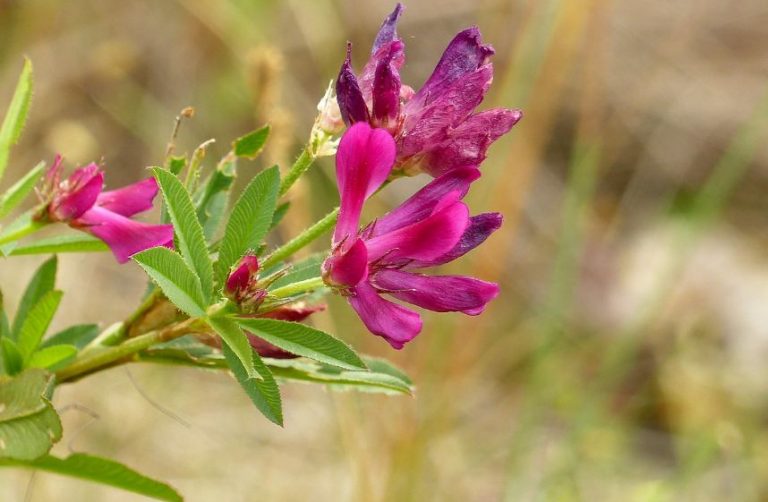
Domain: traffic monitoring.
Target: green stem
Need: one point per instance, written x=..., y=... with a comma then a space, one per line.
x=302, y=240
x=20, y=228
x=297, y=169
x=298, y=288
x=109, y=356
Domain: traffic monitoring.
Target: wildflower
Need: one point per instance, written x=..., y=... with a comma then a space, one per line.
x=80, y=202
x=436, y=129
x=431, y=228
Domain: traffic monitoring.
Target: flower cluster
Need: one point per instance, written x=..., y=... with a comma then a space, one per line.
x=80, y=201
x=395, y=130
x=436, y=129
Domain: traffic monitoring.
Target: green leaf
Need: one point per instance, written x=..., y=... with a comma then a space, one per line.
x=303, y=340
x=78, y=335
x=5, y=328
x=302, y=370
x=71, y=243
x=176, y=164
x=249, y=221
x=178, y=283
x=49, y=357
x=19, y=190
x=379, y=365
x=16, y=115
x=250, y=145
x=213, y=197
x=381, y=377
x=302, y=270
x=104, y=471
x=12, y=360
x=237, y=342
x=40, y=284
x=187, y=351
x=36, y=323
x=188, y=229
x=28, y=423
x=264, y=393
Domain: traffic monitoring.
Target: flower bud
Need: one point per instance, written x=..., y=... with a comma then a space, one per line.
x=327, y=124
x=329, y=120
x=242, y=284
x=72, y=197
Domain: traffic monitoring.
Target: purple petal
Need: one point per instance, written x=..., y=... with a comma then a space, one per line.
x=423, y=202
x=427, y=126
x=386, y=46
x=125, y=237
x=443, y=293
x=351, y=103
x=464, y=54
x=77, y=194
x=363, y=162
x=467, y=143
x=131, y=199
x=386, y=89
x=388, y=31
x=393, y=54
x=395, y=323
x=349, y=267
x=479, y=229
x=426, y=239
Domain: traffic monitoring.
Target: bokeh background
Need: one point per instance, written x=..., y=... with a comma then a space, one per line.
x=624, y=360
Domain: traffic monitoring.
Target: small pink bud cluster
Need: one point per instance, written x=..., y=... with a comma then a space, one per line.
x=242, y=285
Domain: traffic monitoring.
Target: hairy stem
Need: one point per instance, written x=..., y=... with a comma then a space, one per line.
x=302, y=240
x=20, y=228
x=109, y=356
x=298, y=288
x=297, y=169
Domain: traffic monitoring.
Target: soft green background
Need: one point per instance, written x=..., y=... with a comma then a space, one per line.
x=625, y=359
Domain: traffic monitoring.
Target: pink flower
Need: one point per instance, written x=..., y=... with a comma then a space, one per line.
x=80, y=202
x=436, y=129
x=431, y=228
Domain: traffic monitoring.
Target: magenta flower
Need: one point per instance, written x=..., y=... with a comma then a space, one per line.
x=436, y=129
x=431, y=228
x=80, y=202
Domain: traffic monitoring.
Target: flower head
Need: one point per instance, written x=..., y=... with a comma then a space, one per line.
x=436, y=129
x=387, y=257
x=80, y=202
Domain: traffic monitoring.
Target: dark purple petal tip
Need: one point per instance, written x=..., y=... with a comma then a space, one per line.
x=388, y=31
x=480, y=228
x=350, y=98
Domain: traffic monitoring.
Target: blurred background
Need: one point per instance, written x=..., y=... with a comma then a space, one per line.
x=625, y=358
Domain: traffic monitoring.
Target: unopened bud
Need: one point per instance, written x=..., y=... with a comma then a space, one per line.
x=242, y=284
x=329, y=118
x=327, y=124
